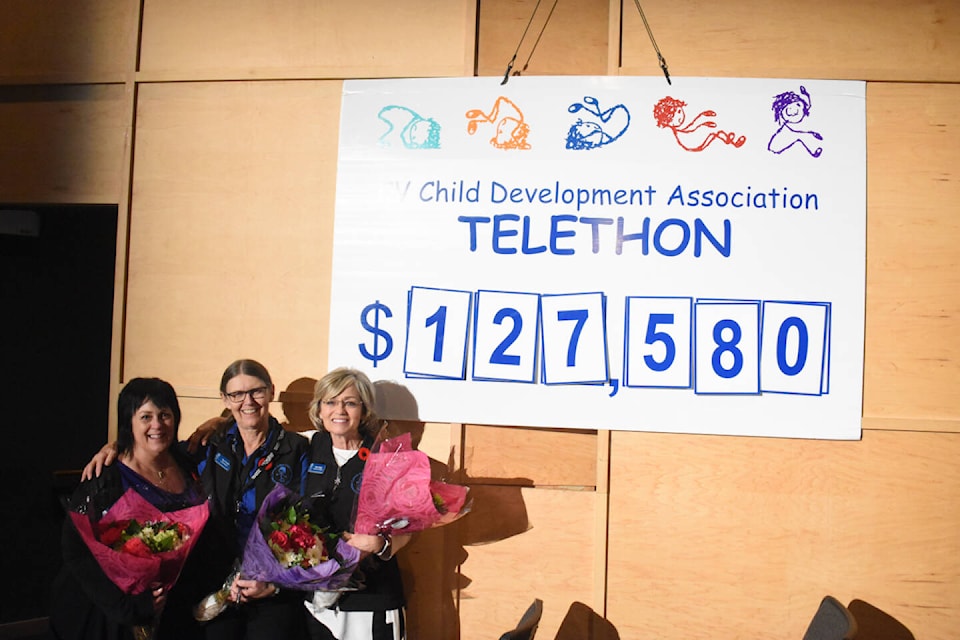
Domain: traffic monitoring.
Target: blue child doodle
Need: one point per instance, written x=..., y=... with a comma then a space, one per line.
x=590, y=134
x=669, y=113
x=408, y=127
x=789, y=110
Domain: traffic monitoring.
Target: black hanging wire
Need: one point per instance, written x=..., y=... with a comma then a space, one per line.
x=540, y=35
x=506, y=74
x=663, y=63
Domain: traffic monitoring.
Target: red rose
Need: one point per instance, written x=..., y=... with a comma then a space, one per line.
x=136, y=547
x=302, y=536
x=110, y=534
x=280, y=539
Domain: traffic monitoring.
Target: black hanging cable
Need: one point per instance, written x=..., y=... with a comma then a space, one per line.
x=540, y=35
x=663, y=63
x=506, y=74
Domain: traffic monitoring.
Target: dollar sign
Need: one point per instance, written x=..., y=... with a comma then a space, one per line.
x=376, y=355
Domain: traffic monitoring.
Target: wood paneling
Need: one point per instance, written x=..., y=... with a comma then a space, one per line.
x=62, y=144
x=885, y=40
x=306, y=39
x=508, y=565
x=549, y=38
x=531, y=457
x=230, y=239
x=739, y=537
x=912, y=352
x=50, y=41
x=231, y=218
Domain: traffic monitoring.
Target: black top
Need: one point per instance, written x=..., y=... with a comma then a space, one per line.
x=86, y=604
x=382, y=586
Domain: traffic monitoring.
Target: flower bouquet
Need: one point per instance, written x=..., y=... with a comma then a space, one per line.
x=397, y=494
x=284, y=547
x=139, y=547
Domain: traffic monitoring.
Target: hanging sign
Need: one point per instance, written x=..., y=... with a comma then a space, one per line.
x=606, y=252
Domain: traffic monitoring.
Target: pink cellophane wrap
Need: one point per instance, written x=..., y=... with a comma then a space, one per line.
x=397, y=493
x=133, y=574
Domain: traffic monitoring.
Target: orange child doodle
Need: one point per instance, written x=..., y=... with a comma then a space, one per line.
x=510, y=130
x=669, y=114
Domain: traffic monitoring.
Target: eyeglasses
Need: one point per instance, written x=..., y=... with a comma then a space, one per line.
x=348, y=405
x=255, y=394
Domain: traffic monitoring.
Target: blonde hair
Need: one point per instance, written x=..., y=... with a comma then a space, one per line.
x=333, y=384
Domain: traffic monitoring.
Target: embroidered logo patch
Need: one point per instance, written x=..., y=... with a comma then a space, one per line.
x=355, y=483
x=282, y=474
x=222, y=461
x=317, y=467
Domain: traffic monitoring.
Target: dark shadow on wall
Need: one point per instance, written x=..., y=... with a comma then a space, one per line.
x=875, y=624
x=497, y=512
x=583, y=623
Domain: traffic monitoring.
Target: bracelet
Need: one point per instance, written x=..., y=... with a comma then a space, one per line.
x=384, y=554
x=276, y=589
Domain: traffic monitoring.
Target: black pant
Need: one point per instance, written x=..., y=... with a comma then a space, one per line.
x=272, y=618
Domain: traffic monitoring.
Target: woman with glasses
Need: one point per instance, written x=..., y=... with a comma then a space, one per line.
x=240, y=465
x=342, y=411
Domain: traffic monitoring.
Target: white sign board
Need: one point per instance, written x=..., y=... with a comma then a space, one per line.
x=606, y=252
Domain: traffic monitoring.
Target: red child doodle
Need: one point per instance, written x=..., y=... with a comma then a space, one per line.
x=510, y=129
x=669, y=114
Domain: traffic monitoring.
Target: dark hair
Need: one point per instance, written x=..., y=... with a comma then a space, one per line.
x=134, y=395
x=245, y=367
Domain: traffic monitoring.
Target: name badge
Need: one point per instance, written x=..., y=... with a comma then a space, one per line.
x=317, y=467
x=223, y=462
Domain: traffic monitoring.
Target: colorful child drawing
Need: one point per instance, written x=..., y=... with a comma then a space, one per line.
x=409, y=127
x=789, y=110
x=590, y=134
x=510, y=129
x=669, y=114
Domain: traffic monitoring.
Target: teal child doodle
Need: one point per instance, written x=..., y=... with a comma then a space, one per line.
x=408, y=127
x=510, y=129
x=789, y=110
x=670, y=114
x=590, y=133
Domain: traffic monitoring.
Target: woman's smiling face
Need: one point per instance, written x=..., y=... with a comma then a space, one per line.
x=248, y=399
x=341, y=414
x=153, y=428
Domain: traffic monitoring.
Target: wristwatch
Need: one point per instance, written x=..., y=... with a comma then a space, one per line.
x=384, y=554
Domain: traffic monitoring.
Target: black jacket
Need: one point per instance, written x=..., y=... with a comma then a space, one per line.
x=382, y=588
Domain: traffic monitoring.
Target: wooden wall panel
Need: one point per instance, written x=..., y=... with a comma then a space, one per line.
x=53, y=41
x=62, y=144
x=508, y=565
x=306, y=38
x=859, y=39
x=230, y=234
x=741, y=537
x=573, y=40
x=531, y=457
x=912, y=353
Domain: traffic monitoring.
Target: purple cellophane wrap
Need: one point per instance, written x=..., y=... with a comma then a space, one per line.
x=259, y=563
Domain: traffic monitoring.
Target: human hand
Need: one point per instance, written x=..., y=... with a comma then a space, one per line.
x=159, y=599
x=103, y=458
x=366, y=544
x=201, y=435
x=244, y=590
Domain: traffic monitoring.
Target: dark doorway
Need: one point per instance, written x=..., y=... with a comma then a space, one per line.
x=56, y=310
